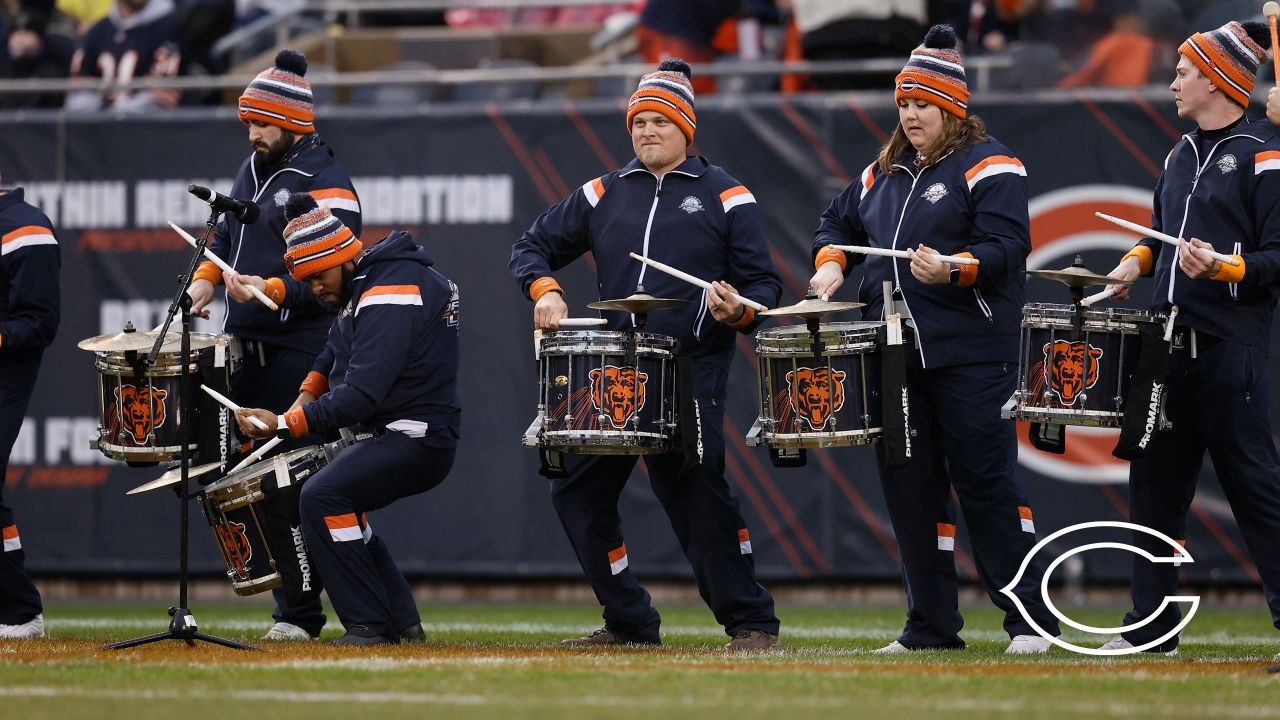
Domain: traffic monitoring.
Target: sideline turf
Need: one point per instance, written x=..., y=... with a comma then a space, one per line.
x=501, y=661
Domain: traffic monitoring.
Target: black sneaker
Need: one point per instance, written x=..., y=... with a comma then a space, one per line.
x=413, y=635
x=602, y=637
x=752, y=640
x=361, y=635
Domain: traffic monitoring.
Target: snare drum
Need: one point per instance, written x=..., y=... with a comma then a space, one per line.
x=256, y=524
x=597, y=395
x=138, y=406
x=813, y=401
x=1066, y=380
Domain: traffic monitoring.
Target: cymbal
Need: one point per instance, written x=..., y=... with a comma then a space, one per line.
x=1077, y=277
x=143, y=341
x=638, y=303
x=811, y=308
x=173, y=476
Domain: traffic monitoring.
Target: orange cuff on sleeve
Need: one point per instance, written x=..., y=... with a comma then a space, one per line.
x=208, y=271
x=1145, y=259
x=297, y=422
x=968, y=273
x=1229, y=273
x=316, y=384
x=830, y=254
x=542, y=286
x=275, y=290
x=748, y=314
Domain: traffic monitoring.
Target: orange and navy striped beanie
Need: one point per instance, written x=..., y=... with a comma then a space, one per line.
x=668, y=92
x=280, y=96
x=314, y=238
x=1229, y=56
x=935, y=73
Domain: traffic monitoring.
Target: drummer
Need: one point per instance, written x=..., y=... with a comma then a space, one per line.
x=941, y=185
x=1219, y=394
x=684, y=211
x=393, y=374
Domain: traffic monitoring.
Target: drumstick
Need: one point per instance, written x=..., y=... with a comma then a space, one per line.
x=223, y=266
x=953, y=259
x=1098, y=297
x=226, y=402
x=1271, y=10
x=1157, y=235
x=692, y=280
x=256, y=455
x=582, y=322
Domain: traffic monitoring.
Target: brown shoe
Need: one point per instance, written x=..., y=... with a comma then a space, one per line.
x=750, y=640
x=603, y=637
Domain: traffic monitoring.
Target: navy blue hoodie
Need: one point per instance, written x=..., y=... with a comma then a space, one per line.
x=973, y=200
x=392, y=354
x=697, y=219
x=29, y=266
x=258, y=249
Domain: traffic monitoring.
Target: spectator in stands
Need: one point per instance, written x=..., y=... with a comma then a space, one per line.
x=1124, y=57
x=86, y=13
x=678, y=28
x=32, y=52
x=856, y=29
x=201, y=23
x=137, y=38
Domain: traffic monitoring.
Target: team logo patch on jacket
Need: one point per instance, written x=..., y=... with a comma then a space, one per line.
x=691, y=205
x=1071, y=368
x=816, y=394
x=1227, y=163
x=934, y=193
x=141, y=410
x=235, y=545
x=618, y=393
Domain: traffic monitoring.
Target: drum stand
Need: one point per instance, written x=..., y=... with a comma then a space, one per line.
x=183, y=625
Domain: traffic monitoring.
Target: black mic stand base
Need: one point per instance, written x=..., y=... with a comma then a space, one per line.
x=182, y=627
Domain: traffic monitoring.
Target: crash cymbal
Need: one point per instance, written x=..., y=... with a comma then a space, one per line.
x=126, y=341
x=173, y=476
x=638, y=303
x=1077, y=277
x=812, y=308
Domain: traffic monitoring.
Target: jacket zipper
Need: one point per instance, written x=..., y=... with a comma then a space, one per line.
x=894, y=246
x=983, y=306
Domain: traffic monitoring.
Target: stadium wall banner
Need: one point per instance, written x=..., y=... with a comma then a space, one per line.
x=466, y=181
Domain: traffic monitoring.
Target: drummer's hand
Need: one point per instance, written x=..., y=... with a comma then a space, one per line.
x=548, y=311
x=238, y=286
x=723, y=305
x=249, y=429
x=1197, y=264
x=1128, y=269
x=1273, y=105
x=828, y=279
x=201, y=292
x=926, y=267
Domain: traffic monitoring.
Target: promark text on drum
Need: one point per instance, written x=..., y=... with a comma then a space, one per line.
x=300, y=549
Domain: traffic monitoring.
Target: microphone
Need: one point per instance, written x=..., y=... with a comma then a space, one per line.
x=243, y=210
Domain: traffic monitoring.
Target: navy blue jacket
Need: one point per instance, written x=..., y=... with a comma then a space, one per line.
x=698, y=219
x=392, y=354
x=1230, y=199
x=973, y=200
x=258, y=249
x=29, y=266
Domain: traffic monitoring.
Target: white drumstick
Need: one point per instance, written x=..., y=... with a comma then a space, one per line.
x=582, y=322
x=953, y=259
x=1156, y=234
x=693, y=280
x=226, y=402
x=1098, y=297
x=256, y=455
x=223, y=266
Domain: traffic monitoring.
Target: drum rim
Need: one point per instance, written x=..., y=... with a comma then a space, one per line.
x=244, y=475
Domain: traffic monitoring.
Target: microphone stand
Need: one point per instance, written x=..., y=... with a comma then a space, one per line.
x=183, y=625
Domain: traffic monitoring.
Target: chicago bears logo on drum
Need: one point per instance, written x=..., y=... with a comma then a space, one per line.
x=816, y=394
x=1071, y=368
x=618, y=393
x=235, y=545
x=137, y=406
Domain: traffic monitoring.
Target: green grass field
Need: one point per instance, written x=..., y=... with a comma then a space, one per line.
x=487, y=660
